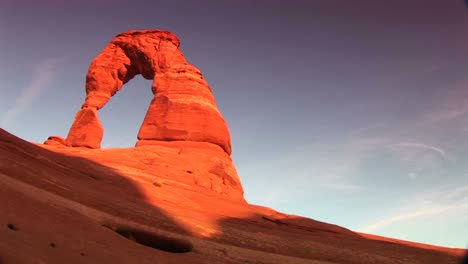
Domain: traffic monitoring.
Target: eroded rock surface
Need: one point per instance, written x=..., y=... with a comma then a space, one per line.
x=183, y=107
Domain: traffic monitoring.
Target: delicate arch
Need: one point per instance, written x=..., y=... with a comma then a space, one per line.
x=183, y=107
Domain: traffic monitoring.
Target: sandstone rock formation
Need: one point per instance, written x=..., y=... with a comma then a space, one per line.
x=140, y=205
x=86, y=131
x=183, y=108
x=182, y=122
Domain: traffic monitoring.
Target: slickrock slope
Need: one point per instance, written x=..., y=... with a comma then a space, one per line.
x=183, y=107
x=144, y=205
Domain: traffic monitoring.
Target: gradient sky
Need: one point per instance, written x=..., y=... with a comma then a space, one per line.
x=348, y=112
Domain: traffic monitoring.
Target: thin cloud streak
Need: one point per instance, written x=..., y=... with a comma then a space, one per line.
x=452, y=107
x=448, y=203
x=454, y=111
x=42, y=76
x=342, y=186
x=402, y=217
x=318, y=166
x=326, y=165
x=423, y=146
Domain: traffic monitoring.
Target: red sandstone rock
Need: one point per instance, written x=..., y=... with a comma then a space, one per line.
x=86, y=131
x=144, y=205
x=183, y=112
x=56, y=141
x=183, y=108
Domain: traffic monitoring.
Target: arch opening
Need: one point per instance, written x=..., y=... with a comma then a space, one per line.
x=124, y=114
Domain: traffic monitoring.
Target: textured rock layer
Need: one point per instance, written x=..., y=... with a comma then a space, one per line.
x=183, y=108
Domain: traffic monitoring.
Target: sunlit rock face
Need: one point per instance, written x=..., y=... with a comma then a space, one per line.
x=183, y=126
x=183, y=107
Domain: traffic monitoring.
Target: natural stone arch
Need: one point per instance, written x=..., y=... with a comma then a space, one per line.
x=183, y=107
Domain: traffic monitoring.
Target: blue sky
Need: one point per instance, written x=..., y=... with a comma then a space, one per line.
x=349, y=113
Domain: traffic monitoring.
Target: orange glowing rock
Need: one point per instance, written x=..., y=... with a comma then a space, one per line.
x=183, y=108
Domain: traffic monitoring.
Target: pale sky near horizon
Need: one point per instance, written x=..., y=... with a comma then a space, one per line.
x=354, y=114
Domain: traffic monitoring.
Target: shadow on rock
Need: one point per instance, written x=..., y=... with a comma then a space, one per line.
x=84, y=211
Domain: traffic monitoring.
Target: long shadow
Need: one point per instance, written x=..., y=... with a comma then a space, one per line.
x=98, y=191
x=465, y=258
x=308, y=239
x=117, y=204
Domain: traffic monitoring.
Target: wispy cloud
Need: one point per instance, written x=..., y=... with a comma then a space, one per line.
x=421, y=146
x=323, y=165
x=412, y=175
x=452, y=106
x=341, y=186
x=421, y=158
x=449, y=203
x=338, y=166
x=42, y=75
x=405, y=216
x=320, y=166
